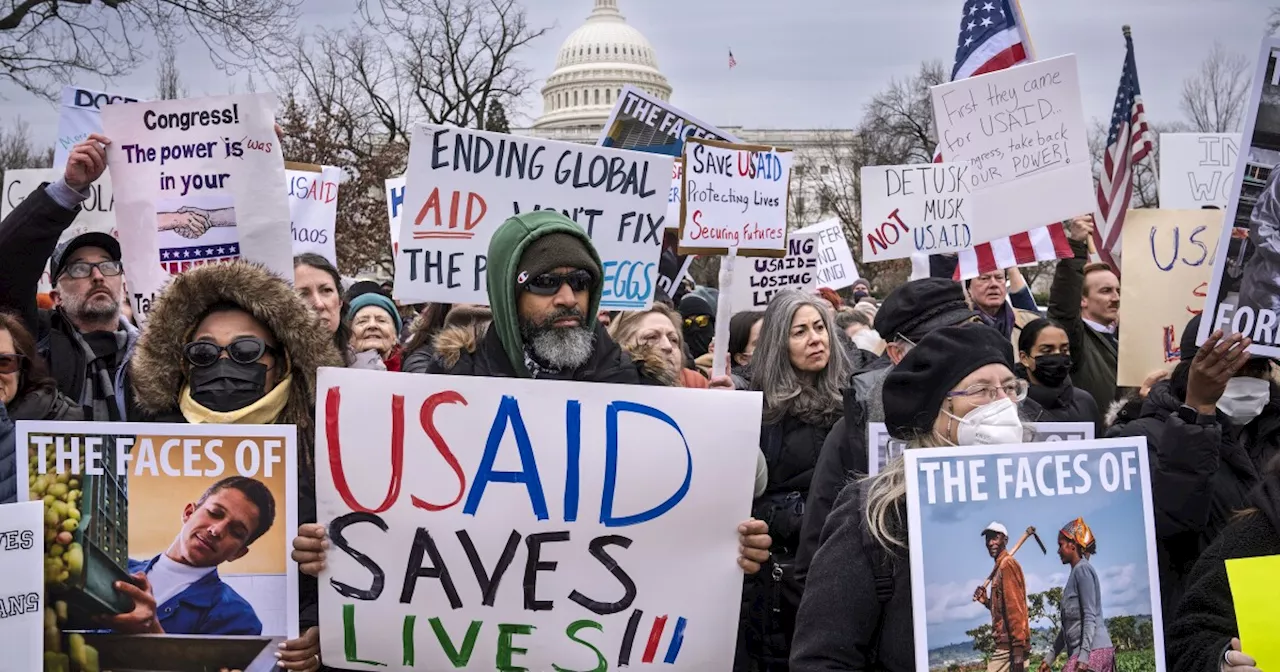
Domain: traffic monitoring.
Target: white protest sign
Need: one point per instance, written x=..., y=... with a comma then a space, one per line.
x=198, y=181
x=79, y=114
x=395, y=206
x=836, y=268
x=734, y=196
x=313, y=210
x=883, y=448
x=462, y=185
x=22, y=584
x=96, y=212
x=913, y=209
x=1022, y=131
x=766, y=276
x=536, y=524
x=1196, y=169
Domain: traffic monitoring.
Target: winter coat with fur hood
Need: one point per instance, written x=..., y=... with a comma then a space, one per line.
x=158, y=370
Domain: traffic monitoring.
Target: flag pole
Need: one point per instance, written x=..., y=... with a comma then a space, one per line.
x=1155, y=171
x=1026, y=32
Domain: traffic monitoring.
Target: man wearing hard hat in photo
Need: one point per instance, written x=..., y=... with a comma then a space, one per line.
x=1011, y=628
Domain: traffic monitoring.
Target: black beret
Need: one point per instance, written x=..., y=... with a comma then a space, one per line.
x=915, y=389
x=920, y=306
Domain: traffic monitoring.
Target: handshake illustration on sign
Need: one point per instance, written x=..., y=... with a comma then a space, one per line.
x=191, y=223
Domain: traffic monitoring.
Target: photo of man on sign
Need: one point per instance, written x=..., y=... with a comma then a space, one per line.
x=179, y=591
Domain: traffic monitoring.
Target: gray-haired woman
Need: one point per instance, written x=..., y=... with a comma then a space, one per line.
x=800, y=368
x=955, y=387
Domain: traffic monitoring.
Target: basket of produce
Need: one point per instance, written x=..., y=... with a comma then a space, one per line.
x=86, y=534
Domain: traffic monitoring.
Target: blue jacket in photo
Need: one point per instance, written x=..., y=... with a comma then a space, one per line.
x=206, y=607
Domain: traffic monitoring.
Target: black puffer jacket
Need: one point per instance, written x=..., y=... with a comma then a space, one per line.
x=44, y=403
x=1201, y=475
x=1205, y=622
x=1065, y=403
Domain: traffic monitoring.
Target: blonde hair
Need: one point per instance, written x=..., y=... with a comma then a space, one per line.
x=887, y=495
x=626, y=325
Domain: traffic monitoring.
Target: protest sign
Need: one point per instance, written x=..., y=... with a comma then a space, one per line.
x=922, y=208
x=672, y=266
x=1244, y=287
x=836, y=268
x=646, y=123
x=1022, y=132
x=1166, y=263
x=1255, y=594
x=79, y=114
x=198, y=181
x=313, y=209
x=22, y=604
x=577, y=494
x=766, y=276
x=1196, y=169
x=395, y=206
x=734, y=196
x=462, y=185
x=170, y=500
x=1031, y=492
x=97, y=213
x=883, y=448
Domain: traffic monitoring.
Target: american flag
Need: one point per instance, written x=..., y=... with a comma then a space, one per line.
x=993, y=37
x=1128, y=142
x=732, y=61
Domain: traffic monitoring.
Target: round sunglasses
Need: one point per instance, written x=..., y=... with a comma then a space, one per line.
x=11, y=362
x=243, y=350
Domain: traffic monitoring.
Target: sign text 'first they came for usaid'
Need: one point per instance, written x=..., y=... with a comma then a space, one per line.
x=462, y=185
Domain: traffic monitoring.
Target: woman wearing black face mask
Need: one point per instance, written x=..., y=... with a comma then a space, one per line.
x=232, y=343
x=1044, y=355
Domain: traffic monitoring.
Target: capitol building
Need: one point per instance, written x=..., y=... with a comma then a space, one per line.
x=605, y=54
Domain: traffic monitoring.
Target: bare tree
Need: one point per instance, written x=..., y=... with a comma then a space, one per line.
x=17, y=150
x=1213, y=99
x=44, y=42
x=168, y=79
x=1146, y=185
x=1273, y=21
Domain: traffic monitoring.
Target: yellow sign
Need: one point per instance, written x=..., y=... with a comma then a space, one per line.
x=1256, y=594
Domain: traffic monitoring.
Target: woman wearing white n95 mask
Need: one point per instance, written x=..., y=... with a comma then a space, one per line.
x=955, y=387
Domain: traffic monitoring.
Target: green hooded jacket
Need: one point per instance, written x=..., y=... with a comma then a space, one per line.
x=505, y=250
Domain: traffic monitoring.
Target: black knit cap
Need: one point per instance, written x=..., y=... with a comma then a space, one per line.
x=552, y=251
x=918, y=307
x=915, y=389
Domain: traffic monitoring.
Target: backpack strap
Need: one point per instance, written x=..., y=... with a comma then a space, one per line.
x=882, y=571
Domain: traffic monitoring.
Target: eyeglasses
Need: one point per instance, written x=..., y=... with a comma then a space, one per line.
x=548, y=284
x=905, y=344
x=1015, y=390
x=11, y=362
x=245, y=350
x=699, y=321
x=83, y=269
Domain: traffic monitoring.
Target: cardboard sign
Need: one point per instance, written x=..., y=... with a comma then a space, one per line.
x=735, y=196
x=478, y=523
x=1244, y=287
x=313, y=210
x=836, y=268
x=395, y=206
x=1022, y=131
x=645, y=123
x=1166, y=263
x=766, y=276
x=883, y=448
x=954, y=494
x=923, y=208
x=462, y=185
x=197, y=181
x=97, y=212
x=22, y=602
x=130, y=496
x=1196, y=169
x=79, y=114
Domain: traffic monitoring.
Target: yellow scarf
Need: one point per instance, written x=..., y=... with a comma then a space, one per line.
x=264, y=411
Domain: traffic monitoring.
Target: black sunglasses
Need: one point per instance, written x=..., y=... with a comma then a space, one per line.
x=548, y=284
x=245, y=350
x=11, y=362
x=83, y=269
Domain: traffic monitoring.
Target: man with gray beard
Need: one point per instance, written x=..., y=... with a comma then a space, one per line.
x=84, y=339
x=545, y=284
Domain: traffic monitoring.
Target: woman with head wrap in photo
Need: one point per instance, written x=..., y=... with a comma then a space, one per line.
x=1084, y=633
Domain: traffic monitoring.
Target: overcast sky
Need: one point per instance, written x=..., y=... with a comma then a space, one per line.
x=815, y=63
